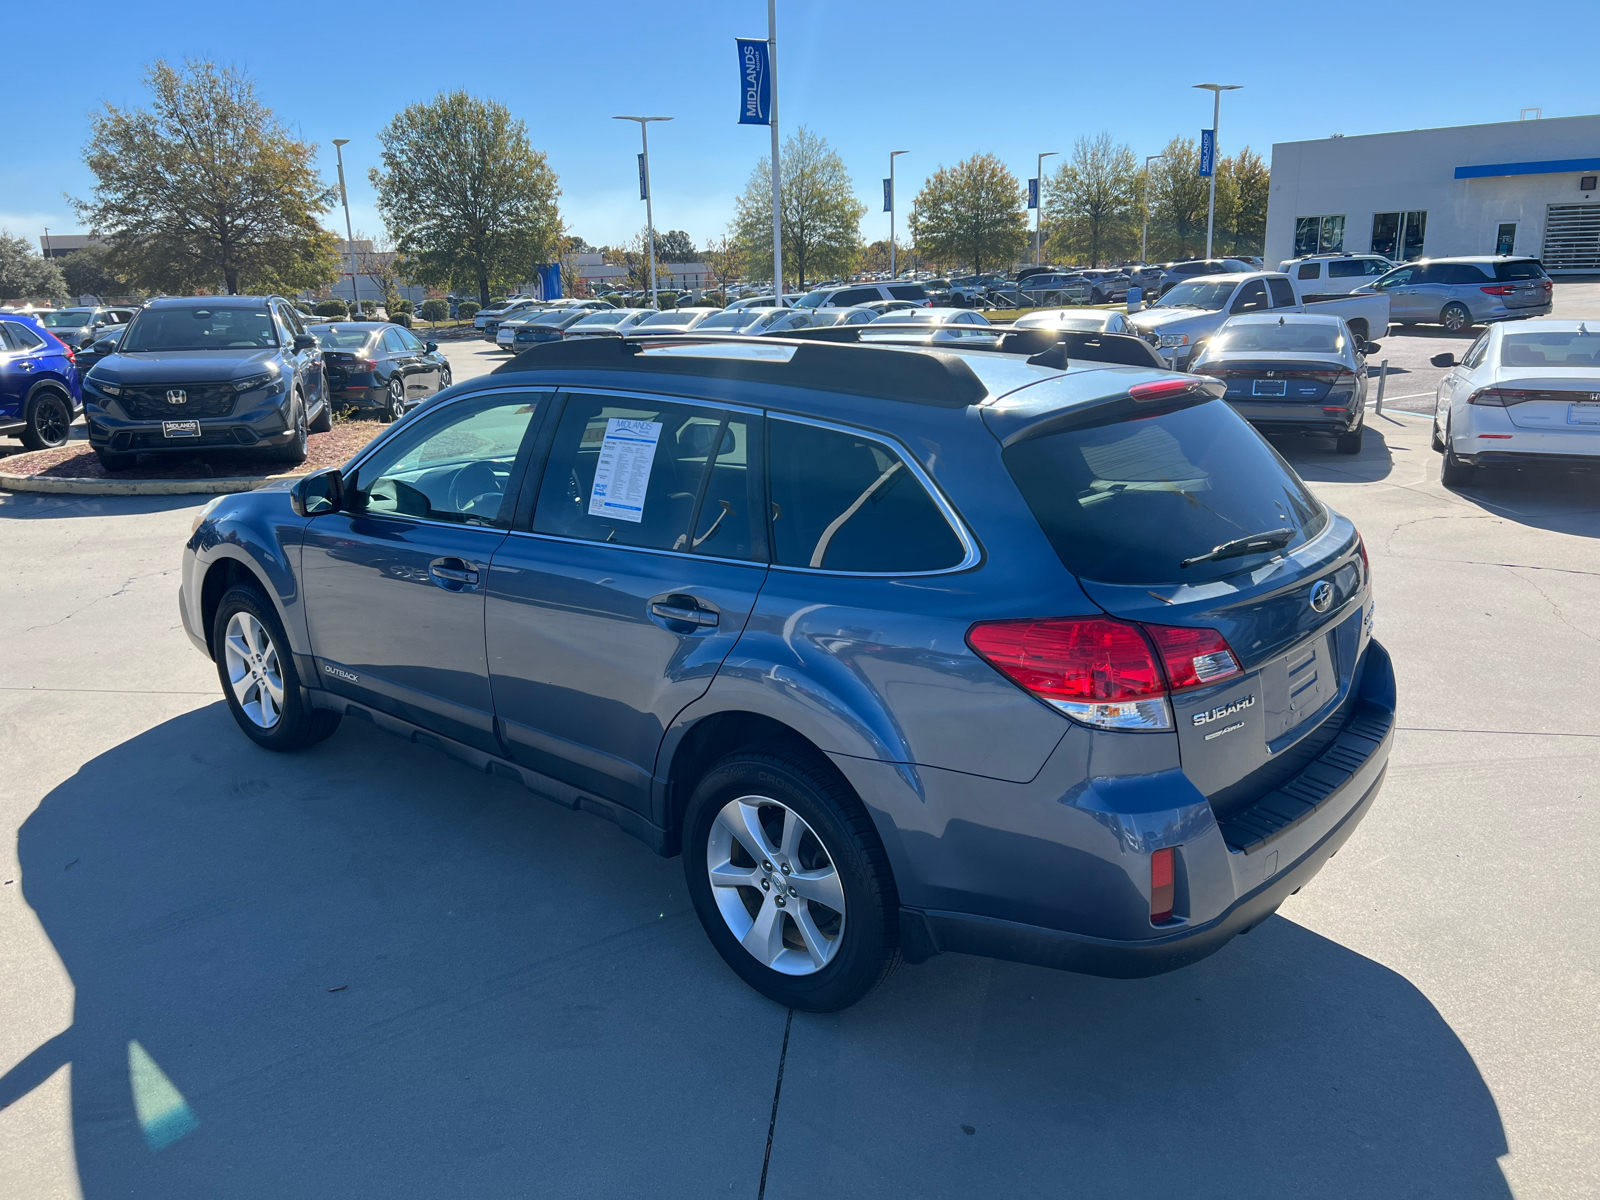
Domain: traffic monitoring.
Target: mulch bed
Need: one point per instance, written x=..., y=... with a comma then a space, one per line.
x=76, y=461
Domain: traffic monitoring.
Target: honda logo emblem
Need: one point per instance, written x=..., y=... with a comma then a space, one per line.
x=177, y=396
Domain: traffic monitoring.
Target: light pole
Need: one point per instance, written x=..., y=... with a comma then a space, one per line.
x=777, y=172
x=649, y=211
x=1038, y=213
x=349, y=237
x=893, y=271
x=1144, y=233
x=1216, y=90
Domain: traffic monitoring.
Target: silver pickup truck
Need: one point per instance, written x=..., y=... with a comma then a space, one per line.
x=1180, y=322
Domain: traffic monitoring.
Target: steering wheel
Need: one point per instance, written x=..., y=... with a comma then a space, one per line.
x=475, y=485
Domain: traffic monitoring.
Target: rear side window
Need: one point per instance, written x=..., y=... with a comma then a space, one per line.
x=653, y=475
x=21, y=337
x=1282, y=293
x=851, y=296
x=908, y=291
x=1312, y=271
x=1463, y=273
x=846, y=502
x=1524, y=268
x=1127, y=502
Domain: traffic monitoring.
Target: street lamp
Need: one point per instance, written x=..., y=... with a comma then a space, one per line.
x=893, y=273
x=649, y=213
x=1038, y=213
x=1216, y=90
x=1144, y=234
x=349, y=237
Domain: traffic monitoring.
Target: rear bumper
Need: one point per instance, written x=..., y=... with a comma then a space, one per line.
x=1298, y=418
x=1532, y=458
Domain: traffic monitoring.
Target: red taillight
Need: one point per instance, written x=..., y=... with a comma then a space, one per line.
x=1494, y=397
x=1499, y=289
x=1160, y=389
x=1102, y=671
x=1361, y=549
x=367, y=364
x=1193, y=656
x=1161, y=885
x=72, y=356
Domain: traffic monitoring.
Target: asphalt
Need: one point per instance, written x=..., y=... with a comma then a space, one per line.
x=365, y=970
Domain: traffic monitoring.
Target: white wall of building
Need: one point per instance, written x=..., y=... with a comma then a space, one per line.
x=1358, y=177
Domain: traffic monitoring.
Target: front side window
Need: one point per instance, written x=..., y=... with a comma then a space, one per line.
x=1398, y=278
x=843, y=501
x=1252, y=297
x=1346, y=268
x=453, y=465
x=1475, y=355
x=653, y=475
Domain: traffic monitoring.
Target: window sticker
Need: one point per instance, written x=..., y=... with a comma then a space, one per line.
x=623, y=473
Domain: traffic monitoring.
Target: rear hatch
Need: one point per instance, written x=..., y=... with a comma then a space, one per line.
x=1522, y=283
x=1127, y=501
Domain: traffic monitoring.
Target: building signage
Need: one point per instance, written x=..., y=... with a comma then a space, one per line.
x=755, y=82
x=1208, y=153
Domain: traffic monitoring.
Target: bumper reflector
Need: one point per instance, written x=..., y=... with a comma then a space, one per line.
x=1161, y=887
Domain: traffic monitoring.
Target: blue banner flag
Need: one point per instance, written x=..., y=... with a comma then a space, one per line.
x=644, y=180
x=755, y=82
x=1208, y=153
x=888, y=195
x=1033, y=193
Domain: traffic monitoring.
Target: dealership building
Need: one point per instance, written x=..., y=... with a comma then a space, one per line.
x=1517, y=187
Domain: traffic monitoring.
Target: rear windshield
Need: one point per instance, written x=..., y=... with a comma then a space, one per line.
x=201, y=328
x=1552, y=348
x=334, y=338
x=1524, y=268
x=1280, y=339
x=1126, y=503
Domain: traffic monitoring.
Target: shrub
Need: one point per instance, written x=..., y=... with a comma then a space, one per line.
x=435, y=311
x=369, y=307
x=302, y=306
x=401, y=318
x=714, y=300
x=402, y=305
x=616, y=299
x=331, y=308
x=667, y=300
x=467, y=309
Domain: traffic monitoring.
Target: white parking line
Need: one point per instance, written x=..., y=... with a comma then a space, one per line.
x=1410, y=396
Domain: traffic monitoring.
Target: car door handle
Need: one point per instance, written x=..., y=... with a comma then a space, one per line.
x=685, y=613
x=453, y=574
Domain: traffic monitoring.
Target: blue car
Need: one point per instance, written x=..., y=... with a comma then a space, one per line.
x=1037, y=651
x=40, y=392
x=208, y=373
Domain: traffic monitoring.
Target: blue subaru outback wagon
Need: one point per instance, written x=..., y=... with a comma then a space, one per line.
x=1036, y=651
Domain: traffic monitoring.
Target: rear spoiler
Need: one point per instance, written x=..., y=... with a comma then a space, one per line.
x=1044, y=347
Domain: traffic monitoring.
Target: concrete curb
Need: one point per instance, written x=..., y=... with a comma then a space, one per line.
x=70, y=486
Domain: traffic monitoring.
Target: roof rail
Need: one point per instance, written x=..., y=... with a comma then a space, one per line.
x=923, y=376
x=1045, y=347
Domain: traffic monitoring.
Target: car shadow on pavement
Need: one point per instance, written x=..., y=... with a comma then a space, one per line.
x=366, y=970
x=41, y=506
x=1316, y=461
x=1557, y=500
x=1284, y=1065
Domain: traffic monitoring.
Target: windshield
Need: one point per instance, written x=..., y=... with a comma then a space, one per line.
x=1210, y=296
x=731, y=320
x=1288, y=338
x=1551, y=348
x=201, y=328
x=811, y=300
x=333, y=338
x=64, y=320
x=1127, y=502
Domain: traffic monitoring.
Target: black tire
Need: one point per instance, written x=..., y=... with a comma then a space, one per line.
x=868, y=949
x=298, y=725
x=113, y=460
x=49, y=421
x=1350, y=443
x=394, y=405
x=1456, y=318
x=1454, y=473
x=445, y=378
x=295, y=450
x=1438, y=442
x=324, y=421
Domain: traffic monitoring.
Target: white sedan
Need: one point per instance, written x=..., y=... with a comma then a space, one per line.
x=1526, y=394
x=930, y=325
x=1077, y=320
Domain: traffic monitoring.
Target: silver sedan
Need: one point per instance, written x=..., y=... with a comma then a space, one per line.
x=1078, y=320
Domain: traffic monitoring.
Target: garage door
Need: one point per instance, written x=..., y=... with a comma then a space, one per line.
x=1571, y=237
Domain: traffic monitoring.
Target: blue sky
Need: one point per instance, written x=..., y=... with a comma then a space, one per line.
x=940, y=78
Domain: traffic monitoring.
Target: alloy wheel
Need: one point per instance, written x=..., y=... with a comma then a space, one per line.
x=52, y=420
x=776, y=885
x=254, y=672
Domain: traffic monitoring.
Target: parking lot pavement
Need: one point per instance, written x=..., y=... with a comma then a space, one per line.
x=472, y=357
x=367, y=971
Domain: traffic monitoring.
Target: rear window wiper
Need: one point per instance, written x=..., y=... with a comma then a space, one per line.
x=1272, y=539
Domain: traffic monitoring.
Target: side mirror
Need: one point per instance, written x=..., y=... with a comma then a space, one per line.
x=1443, y=360
x=1370, y=347
x=304, y=341
x=106, y=346
x=431, y=347
x=319, y=492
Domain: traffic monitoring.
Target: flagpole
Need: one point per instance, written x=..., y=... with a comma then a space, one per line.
x=777, y=174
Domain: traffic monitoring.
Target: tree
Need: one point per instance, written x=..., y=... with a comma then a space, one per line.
x=725, y=257
x=206, y=189
x=821, y=216
x=676, y=246
x=88, y=272
x=1091, y=202
x=970, y=213
x=381, y=265
x=1178, y=198
x=26, y=275
x=1249, y=182
x=468, y=200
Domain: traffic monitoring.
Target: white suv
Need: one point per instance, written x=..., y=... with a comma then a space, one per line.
x=1318, y=276
x=865, y=293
